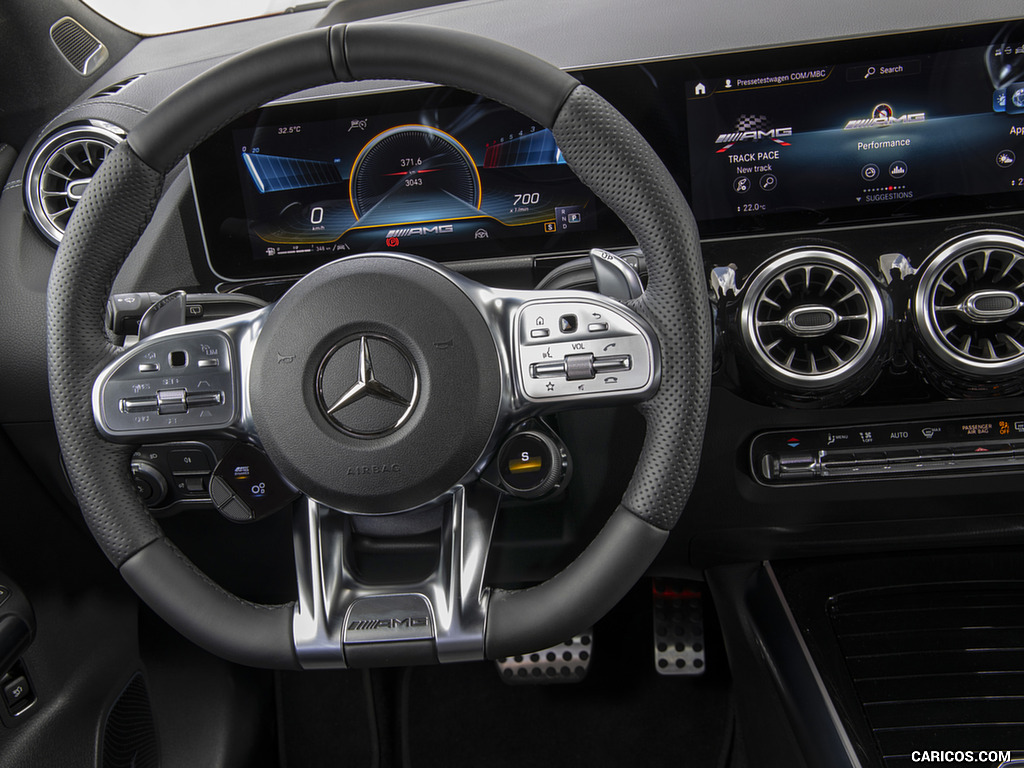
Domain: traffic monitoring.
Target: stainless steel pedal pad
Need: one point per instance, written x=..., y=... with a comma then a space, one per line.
x=678, y=629
x=566, y=662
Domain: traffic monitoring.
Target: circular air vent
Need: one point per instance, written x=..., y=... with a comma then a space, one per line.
x=968, y=304
x=60, y=170
x=812, y=318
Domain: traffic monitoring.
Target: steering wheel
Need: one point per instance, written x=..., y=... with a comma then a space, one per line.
x=465, y=347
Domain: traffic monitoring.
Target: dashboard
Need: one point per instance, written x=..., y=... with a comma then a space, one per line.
x=856, y=188
x=856, y=174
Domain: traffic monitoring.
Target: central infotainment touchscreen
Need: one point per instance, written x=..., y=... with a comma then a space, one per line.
x=882, y=136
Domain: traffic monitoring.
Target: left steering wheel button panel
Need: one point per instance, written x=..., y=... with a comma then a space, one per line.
x=131, y=401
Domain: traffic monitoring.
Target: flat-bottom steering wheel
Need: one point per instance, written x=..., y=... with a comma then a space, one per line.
x=465, y=348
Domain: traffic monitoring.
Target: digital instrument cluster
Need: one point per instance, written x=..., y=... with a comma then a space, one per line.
x=458, y=178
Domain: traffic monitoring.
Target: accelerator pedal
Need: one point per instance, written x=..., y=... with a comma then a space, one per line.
x=678, y=628
x=566, y=662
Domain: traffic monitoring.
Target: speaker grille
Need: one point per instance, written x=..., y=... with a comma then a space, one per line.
x=78, y=45
x=811, y=318
x=967, y=304
x=60, y=170
x=129, y=738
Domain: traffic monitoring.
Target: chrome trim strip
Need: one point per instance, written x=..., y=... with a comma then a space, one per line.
x=850, y=753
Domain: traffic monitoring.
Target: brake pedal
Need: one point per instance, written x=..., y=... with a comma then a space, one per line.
x=566, y=662
x=678, y=629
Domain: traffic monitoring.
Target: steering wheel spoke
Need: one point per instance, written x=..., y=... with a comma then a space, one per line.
x=181, y=382
x=343, y=620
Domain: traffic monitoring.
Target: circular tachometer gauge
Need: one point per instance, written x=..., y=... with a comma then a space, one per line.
x=414, y=170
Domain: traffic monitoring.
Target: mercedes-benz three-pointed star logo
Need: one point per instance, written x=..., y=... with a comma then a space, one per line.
x=367, y=406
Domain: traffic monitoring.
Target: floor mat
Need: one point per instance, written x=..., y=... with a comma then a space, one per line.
x=623, y=713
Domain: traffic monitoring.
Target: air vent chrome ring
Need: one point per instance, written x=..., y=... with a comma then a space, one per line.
x=967, y=305
x=60, y=169
x=812, y=318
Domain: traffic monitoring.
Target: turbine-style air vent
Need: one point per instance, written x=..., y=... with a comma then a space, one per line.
x=968, y=304
x=60, y=170
x=812, y=318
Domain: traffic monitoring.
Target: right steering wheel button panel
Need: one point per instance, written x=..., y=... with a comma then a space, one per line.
x=605, y=352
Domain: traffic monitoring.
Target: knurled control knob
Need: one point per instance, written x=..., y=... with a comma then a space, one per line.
x=149, y=482
x=531, y=464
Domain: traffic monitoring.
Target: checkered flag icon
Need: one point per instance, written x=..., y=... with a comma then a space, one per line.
x=752, y=123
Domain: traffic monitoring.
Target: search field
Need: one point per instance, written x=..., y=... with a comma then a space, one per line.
x=885, y=69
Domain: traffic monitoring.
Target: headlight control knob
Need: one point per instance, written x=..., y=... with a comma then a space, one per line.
x=150, y=483
x=531, y=464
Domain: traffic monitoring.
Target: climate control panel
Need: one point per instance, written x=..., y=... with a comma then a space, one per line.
x=873, y=451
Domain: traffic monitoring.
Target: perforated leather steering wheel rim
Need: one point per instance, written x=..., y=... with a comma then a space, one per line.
x=598, y=144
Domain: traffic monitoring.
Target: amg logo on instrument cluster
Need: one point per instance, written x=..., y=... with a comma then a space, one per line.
x=436, y=229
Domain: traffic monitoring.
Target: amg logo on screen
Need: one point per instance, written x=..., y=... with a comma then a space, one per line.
x=436, y=229
x=883, y=116
x=771, y=133
x=360, y=625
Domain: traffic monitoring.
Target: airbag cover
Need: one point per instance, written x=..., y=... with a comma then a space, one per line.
x=375, y=384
